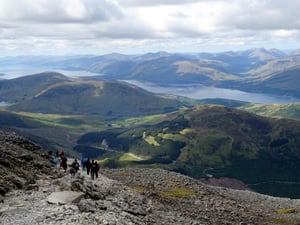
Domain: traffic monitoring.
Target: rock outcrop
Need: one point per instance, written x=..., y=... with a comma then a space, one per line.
x=22, y=163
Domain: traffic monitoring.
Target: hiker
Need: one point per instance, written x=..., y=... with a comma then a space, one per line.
x=74, y=167
x=94, y=169
x=97, y=169
x=88, y=166
x=83, y=163
x=63, y=163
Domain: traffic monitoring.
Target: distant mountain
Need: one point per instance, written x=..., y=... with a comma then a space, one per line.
x=280, y=77
x=296, y=52
x=242, y=61
x=286, y=82
x=262, y=54
x=66, y=96
x=169, y=69
x=22, y=88
x=215, y=140
x=275, y=66
x=249, y=70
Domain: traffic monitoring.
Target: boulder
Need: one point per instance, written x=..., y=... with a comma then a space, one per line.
x=87, y=205
x=65, y=197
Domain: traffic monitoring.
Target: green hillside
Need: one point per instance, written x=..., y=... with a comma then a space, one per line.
x=11, y=120
x=224, y=141
x=288, y=111
x=23, y=88
x=109, y=98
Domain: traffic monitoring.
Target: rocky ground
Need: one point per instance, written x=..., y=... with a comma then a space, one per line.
x=122, y=196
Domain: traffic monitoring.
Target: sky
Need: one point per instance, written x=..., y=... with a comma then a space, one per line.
x=64, y=27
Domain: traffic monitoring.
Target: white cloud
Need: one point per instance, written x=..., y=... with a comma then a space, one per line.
x=264, y=15
x=157, y=2
x=58, y=11
x=98, y=26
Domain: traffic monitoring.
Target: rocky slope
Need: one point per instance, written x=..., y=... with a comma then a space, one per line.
x=122, y=196
x=21, y=162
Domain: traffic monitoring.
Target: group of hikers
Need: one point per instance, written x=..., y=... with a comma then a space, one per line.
x=91, y=167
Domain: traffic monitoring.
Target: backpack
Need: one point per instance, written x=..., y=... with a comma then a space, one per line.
x=94, y=167
x=76, y=165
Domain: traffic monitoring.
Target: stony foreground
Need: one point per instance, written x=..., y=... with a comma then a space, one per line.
x=122, y=196
x=141, y=196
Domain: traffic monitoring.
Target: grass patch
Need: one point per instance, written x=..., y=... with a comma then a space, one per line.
x=130, y=157
x=186, y=131
x=177, y=192
x=286, y=211
x=82, y=122
x=139, y=189
x=133, y=121
x=173, y=137
x=279, y=221
x=151, y=140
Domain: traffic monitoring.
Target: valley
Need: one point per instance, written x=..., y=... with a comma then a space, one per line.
x=180, y=112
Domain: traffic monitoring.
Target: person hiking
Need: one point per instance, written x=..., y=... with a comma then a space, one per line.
x=74, y=167
x=94, y=169
x=63, y=163
x=88, y=166
x=83, y=163
x=97, y=167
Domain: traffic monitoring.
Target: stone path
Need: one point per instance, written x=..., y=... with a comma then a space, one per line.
x=101, y=201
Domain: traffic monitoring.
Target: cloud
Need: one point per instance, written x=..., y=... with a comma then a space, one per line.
x=58, y=11
x=156, y=2
x=264, y=15
x=112, y=25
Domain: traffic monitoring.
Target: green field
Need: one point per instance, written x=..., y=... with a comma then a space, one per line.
x=287, y=111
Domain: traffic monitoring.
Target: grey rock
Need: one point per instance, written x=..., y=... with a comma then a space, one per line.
x=78, y=185
x=18, y=182
x=30, y=180
x=32, y=187
x=26, y=157
x=5, y=162
x=65, y=197
x=87, y=206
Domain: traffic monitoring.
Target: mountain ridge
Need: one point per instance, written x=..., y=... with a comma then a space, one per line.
x=228, y=142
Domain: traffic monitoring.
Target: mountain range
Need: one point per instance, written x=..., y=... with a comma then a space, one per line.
x=254, y=70
x=124, y=125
